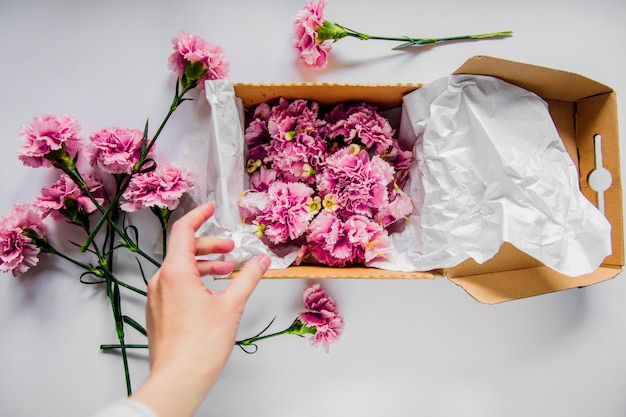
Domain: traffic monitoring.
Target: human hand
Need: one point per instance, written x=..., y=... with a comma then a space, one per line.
x=191, y=329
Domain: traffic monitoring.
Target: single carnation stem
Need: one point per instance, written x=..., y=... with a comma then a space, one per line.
x=74, y=261
x=127, y=346
x=297, y=328
x=178, y=99
x=408, y=41
x=254, y=339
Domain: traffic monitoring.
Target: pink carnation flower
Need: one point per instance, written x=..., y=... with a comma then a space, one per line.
x=322, y=313
x=327, y=240
x=115, y=150
x=296, y=149
x=52, y=198
x=262, y=179
x=400, y=206
x=312, y=51
x=192, y=48
x=368, y=239
x=252, y=204
x=18, y=253
x=47, y=133
x=400, y=160
x=362, y=123
x=359, y=183
x=287, y=215
x=162, y=188
x=334, y=242
x=256, y=138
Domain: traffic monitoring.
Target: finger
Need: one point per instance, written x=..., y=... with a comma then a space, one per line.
x=246, y=281
x=214, y=267
x=209, y=244
x=182, y=237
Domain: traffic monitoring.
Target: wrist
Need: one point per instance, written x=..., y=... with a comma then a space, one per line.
x=175, y=392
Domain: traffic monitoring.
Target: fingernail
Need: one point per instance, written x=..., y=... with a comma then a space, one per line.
x=264, y=262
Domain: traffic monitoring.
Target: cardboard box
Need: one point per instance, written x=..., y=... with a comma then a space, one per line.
x=580, y=108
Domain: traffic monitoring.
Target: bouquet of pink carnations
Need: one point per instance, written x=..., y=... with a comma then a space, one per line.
x=325, y=181
x=115, y=172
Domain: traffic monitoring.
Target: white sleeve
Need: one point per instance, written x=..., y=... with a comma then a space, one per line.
x=126, y=408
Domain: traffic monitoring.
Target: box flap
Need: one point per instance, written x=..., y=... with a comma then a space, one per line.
x=511, y=285
x=545, y=82
x=598, y=116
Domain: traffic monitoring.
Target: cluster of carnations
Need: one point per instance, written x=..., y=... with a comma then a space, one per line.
x=328, y=184
x=115, y=172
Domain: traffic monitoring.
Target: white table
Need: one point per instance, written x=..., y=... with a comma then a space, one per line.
x=410, y=347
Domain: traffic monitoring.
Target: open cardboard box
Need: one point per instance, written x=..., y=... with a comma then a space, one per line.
x=581, y=108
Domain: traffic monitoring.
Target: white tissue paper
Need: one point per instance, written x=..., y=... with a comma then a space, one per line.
x=489, y=168
x=215, y=156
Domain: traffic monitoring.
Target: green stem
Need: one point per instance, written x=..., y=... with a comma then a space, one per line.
x=164, y=239
x=297, y=328
x=127, y=346
x=130, y=287
x=408, y=41
x=250, y=341
x=176, y=101
x=74, y=261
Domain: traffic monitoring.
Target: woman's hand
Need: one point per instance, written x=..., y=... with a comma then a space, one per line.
x=191, y=329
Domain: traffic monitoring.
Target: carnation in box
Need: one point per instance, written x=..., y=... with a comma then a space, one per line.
x=580, y=108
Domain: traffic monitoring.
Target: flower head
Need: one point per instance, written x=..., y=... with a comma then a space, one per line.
x=296, y=148
x=358, y=182
x=321, y=313
x=49, y=140
x=18, y=253
x=65, y=199
x=361, y=123
x=195, y=60
x=334, y=242
x=162, y=188
x=115, y=150
x=287, y=214
x=312, y=49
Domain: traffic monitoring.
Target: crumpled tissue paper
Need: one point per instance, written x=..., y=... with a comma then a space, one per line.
x=489, y=168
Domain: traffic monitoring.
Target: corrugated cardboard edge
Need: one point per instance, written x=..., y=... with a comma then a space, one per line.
x=334, y=93
x=316, y=272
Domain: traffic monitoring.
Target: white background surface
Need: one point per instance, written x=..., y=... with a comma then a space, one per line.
x=410, y=347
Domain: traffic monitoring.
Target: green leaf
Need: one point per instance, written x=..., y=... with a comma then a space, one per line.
x=117, y=311
x=132, y=323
